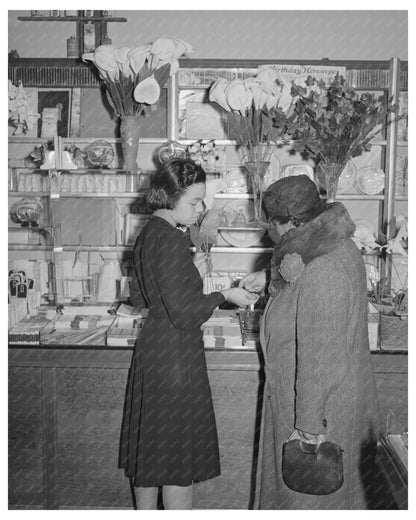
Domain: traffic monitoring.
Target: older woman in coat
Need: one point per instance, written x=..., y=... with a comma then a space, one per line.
x=319, y=377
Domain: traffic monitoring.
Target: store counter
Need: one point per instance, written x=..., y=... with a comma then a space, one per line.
x=65, y=410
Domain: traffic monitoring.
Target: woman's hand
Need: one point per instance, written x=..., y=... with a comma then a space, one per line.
x=254, y=282
x=307, y=439
x=239, y=296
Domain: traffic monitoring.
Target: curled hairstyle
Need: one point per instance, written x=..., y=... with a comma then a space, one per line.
x=171, y=180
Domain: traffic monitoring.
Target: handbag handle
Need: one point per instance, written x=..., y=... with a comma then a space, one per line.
x=309, y=449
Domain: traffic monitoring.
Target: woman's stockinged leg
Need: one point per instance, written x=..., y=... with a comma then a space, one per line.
x=177, y=497
x=146, y=497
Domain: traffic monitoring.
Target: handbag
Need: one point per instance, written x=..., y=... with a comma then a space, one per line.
x=312, y=470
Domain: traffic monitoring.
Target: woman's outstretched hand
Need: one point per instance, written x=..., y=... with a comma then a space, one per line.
x=254, y=282
x=240, y=296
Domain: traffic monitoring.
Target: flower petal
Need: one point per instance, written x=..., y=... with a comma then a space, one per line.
x=163, y=48
x=238, y=96
x=147, y=91
x=137, y=57
x=217, y=93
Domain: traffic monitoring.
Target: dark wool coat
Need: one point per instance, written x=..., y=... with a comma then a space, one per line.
x=169, y=435
x=319, y=376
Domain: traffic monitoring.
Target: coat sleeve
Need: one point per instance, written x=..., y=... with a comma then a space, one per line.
x=321, y=333
x=180, y=287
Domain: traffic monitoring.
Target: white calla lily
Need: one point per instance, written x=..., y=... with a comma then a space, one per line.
x=104, y=58
x=137, y=57
x=174, y=67
x=182, y=48
x=163, y=48
x=147, y=91
x=123, y=62
x=238, y=97
x=269, y=76
x=260, y=91
x=217, y=93
x=285, y=99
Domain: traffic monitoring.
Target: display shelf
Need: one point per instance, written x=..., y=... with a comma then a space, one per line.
x=231, y=249
x=82, y=140
x=103, y=249
x=234, y=196
x=14, y=193
x=71, y=19
x=346, y=196
x=29, y=247
x=244, y=228
x=95, y=195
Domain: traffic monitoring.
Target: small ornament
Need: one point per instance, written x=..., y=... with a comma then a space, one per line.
x=170, y=150
x=291, y=267
x=100, y=153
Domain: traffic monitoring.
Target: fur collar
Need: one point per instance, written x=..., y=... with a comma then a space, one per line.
x=321, y=235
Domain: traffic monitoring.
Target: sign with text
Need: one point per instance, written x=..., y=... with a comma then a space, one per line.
x=288, y=73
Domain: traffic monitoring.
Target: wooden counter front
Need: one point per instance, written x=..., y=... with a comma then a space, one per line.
x=65, y=409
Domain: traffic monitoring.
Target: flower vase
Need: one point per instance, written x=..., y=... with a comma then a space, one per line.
x=130, y=133
x=257, y=169
x=330, y=173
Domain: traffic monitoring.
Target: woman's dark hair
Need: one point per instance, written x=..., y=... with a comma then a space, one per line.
x=171, y=180
x=302, y=218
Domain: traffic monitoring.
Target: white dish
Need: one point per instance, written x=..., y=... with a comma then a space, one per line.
x=370, y=180
x=298, y=169
x=242, y=238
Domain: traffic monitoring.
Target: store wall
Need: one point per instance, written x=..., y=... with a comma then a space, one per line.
x=343, y=35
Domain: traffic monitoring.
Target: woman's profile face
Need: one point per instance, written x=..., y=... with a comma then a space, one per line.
x=190, y=206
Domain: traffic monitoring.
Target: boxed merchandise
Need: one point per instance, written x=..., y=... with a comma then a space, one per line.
x=222, y=330
x=77, y=329
x=28, y=331
x=124, y=331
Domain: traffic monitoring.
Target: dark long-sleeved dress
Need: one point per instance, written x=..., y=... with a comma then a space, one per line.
x=169, y=435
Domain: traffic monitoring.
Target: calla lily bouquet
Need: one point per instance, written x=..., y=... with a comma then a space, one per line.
x=254, y=106
x=21, y=112
x=134, y=76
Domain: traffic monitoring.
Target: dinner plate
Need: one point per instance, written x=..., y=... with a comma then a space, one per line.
x=370, y=180
x=243, y=238
x=298, y=169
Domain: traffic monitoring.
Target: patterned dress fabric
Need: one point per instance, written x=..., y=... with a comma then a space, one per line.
x=169, y=434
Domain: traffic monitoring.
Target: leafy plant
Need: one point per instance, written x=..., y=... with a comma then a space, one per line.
x=336, y=125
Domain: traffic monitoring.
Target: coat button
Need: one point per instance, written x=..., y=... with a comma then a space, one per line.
x=324, y=423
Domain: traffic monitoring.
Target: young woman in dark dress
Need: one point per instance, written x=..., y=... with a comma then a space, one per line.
x=169, y=435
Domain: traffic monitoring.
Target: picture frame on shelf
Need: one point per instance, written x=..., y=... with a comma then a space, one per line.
x=54, y=106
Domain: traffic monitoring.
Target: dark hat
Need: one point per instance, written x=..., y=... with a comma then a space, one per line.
x=291, y=196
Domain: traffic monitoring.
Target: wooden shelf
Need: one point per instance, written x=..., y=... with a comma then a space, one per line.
x=233, y=250
x=71, y=19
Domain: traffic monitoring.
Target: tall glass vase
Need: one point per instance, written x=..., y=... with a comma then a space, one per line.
x=130, y=134
x=257, y=167
x=329, y=173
